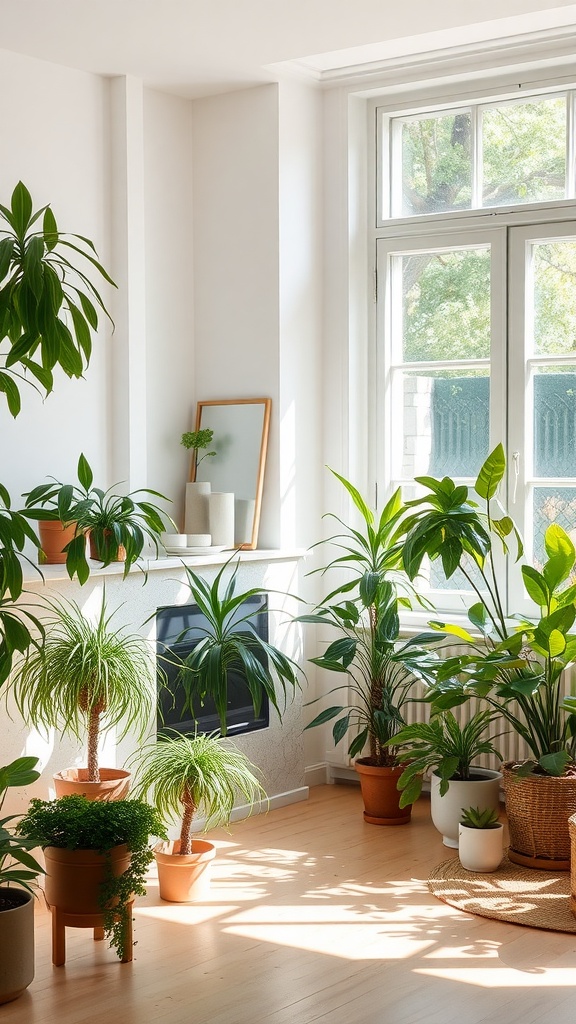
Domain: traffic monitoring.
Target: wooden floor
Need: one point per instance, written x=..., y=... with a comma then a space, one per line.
x=314, y=916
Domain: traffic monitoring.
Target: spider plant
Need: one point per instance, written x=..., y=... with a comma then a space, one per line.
x=86, y=678
x=195, y=773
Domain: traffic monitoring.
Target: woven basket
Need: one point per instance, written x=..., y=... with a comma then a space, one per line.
x=538, y=808
x=572, y=830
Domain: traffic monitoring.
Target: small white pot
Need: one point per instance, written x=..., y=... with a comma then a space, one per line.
x=481, y=849
x=481, y=791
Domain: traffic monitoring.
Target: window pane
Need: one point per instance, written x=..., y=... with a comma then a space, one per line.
x=436, y=164
x=445, y=423
x=555, y=422
x=554, y=269
x=446, y=312
x=524, y=152
x=552, y=505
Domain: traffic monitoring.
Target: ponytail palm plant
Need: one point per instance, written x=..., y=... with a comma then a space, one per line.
x=196, y=773
x=86, y=678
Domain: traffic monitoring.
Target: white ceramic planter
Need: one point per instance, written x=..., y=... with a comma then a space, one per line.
x=221, y=518
x=196, y=507
x=481, y=849
x=482, y=791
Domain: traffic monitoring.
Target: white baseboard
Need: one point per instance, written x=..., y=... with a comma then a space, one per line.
x=316, y=774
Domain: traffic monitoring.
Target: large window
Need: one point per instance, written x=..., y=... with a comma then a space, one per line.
x=476, y=324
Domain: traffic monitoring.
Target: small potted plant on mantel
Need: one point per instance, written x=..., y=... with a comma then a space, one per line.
x=189, y=775
x=86, y=678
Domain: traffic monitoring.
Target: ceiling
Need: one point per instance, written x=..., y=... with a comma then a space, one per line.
x=198, y=47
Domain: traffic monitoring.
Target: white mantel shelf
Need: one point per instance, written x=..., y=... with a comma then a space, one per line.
x=52, y=573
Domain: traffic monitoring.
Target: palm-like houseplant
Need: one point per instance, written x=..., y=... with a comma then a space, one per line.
x=514, y=664
x=86, y=678
x=49, y=308
x=228, y=641
x=189, y=775
x=380, y=667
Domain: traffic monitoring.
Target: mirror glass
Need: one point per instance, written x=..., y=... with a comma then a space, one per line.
x=240, y=440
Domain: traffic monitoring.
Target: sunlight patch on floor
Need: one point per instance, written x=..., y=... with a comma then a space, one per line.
x=504, y=977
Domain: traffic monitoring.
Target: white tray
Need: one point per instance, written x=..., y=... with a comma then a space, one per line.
x=194, y=551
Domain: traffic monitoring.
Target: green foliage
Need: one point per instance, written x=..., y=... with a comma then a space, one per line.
x=111, y=519
x=225, y=643
x=444, y=746
x=473, y=817
x=17, y=627
x=197, y=440
x=515, y=665
x=86, y=678
x=75, y=823
x=17, y=866
x=49, y=306
x=196, y=773
x=380, y=668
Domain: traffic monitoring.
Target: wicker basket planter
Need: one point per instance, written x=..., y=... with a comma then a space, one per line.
x=538, y=808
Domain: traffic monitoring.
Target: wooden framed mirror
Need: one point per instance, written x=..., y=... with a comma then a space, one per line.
x=240, y=440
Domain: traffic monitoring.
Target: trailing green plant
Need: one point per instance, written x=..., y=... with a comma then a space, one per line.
x=113, y=520
x=86, y=678
x=228, y=641
x=196, y=773
x=76, y=823
x=513, y=663
x=17, y=865
x=443, y=746
x=198, y=440
x=48, y=303
x=473, y=817
x=380, y=667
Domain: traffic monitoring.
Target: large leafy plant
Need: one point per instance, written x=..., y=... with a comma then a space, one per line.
x=229, y=641
x=188, y=774
x=87, y=677
x=514, y=664
x=17, y=865
x=363, y=610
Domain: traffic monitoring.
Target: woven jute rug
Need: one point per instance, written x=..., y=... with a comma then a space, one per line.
x=538, y=899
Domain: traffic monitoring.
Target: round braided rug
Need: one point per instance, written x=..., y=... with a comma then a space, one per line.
x=538, y=899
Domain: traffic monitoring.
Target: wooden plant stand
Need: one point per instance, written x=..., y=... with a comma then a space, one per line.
x=62, y=920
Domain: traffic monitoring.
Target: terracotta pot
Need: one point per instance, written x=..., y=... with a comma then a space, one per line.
x=481, y=790
x=186, y=878
x=381, y=795
x=54, y=537
x=538, y=808
x=480, y=849
x=114, y=784
x=96, y=554
x=16, y=942
x=73, y=878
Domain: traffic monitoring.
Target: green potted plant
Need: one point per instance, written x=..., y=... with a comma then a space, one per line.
x=96, y=857
x=49, y=308
x=87, y=677
x=481, y=836
x=18, y=872
x=513, y=663
x=189, y=775
x=229, y=641
x=117, y=525
x=447, y=749
x=380, y=668
x=196, y=511
x=197, y=441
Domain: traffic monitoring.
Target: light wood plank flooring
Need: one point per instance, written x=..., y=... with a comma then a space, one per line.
x=315, y=916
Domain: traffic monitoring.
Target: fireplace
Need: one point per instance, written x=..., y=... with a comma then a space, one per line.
x=178, y=630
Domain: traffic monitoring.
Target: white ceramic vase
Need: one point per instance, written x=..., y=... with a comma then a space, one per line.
x=481, y=849
x=221, y=518
x=482, y=791
x=196, y=511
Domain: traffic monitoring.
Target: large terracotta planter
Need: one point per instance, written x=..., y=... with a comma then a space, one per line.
x=114, y=784
x=184, y=878
x=482, y=790
x=72, y=886
x=538, y=808
x=54, y=537
x=381, y=795
x=16, y=942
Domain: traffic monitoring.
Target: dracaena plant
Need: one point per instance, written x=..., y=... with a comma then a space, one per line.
x=17, y=865
x=380, y=667
x=514, y=664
